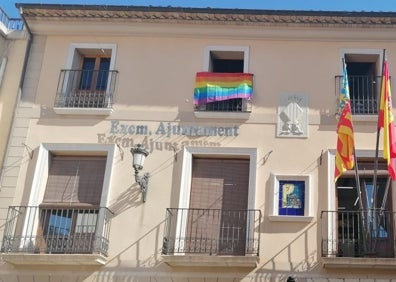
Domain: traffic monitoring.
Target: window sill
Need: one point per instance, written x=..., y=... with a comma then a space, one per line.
x=365, y=118
x=84, y=111
x=54, y=259
x=291, y=218
x=223, y=115
x=211, y=261
x=344, y=262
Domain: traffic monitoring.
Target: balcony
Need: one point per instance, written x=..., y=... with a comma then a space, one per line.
x=359, y=239
x=364, y=93
x=10, y=23
x=223, y=94
x=63, y=236
x=85, y=92
x=211, y=237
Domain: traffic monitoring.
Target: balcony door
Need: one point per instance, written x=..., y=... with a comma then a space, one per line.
x=93, y=82
x=218, y=206
x=69, y=211
x=368, y=231
x=364, y=83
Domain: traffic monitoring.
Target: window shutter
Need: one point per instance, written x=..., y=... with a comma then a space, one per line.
x=366, y=167
x=75, y=180
x=219, y=183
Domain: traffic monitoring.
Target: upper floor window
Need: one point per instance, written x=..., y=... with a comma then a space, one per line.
x=225, y=85
x=95, y=72
x=88, y=82
x=364, y=78
x=226, y=61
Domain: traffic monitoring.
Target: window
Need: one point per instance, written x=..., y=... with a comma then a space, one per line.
x=226, y=61
x=88, y=82
x=66, y=212
x=95, y=72
x=364, y=78
x=216, y=213
x=71, y=203
x=219, y=187
x=359, y=221
x=292, y=198
x=365, y=223
x=223, y=65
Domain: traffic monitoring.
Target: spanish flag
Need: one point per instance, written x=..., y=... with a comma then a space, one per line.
x=344, y=159
x=385, y=121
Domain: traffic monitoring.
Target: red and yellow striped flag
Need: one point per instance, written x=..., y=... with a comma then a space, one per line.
x=385, y=121
x=344, y=159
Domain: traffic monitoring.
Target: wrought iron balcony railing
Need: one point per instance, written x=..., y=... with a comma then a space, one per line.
x=232, y=105
x=10, y=23
x=56, y=230
x=86, y=89
x=212, y=232
x=367, y=233
x=223, y=92
x=364, y=91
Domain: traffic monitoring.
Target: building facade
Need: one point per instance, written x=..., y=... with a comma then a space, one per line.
x=233, y=113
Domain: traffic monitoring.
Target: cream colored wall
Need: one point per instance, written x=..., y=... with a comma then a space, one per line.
x=155, y=84
x=13, y=48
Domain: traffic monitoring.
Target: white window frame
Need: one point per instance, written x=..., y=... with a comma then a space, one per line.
x=185, y=187
x=40, y=178
x=74, y=47
x=220, y=48
x=308, y=198
x=331, y=188
x=347, y=51
x=206, y=68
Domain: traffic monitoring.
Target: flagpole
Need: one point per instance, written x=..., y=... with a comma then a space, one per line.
x=377, y=213
x=359, y=192
x=375, y=190
x=357, y=178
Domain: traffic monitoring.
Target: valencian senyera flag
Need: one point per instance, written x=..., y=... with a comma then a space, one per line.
x=213, y=87
x=344, y=159
x=385, y=121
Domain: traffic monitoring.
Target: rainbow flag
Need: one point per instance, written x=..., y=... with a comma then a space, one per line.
x=214, y=86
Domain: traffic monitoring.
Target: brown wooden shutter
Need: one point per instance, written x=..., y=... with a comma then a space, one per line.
x=220, y=183
x=366, y=168
x=75, y=180
x=216, y=221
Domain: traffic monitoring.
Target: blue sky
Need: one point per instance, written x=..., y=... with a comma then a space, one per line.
x=315, y=5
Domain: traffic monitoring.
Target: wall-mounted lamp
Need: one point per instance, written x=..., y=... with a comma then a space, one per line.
x=139, y=154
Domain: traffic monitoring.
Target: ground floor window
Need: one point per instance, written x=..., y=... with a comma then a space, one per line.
x=365, y=215
x=69, y=210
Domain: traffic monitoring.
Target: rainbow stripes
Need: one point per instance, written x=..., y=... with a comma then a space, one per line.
x=213, y=87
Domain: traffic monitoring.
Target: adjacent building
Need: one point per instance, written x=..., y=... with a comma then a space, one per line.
x=13, y=47
x=188, y=144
